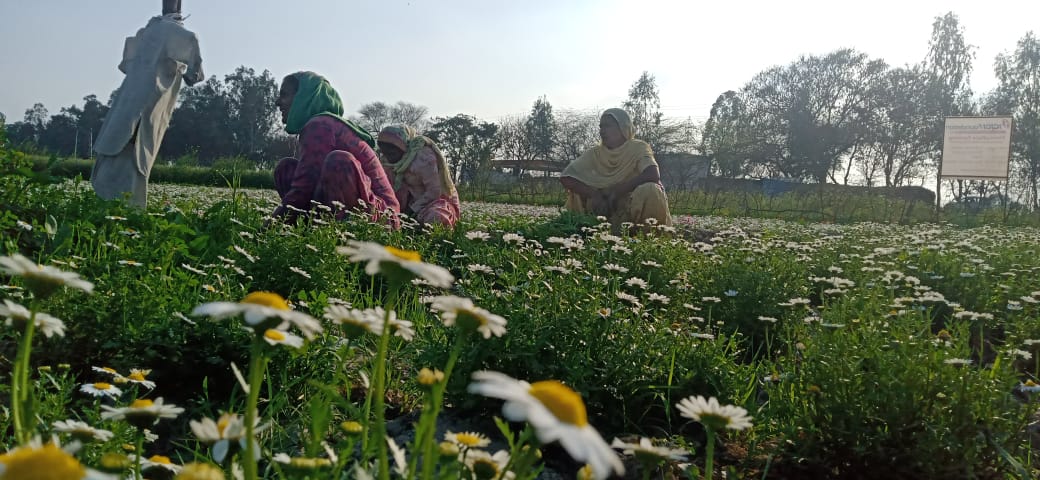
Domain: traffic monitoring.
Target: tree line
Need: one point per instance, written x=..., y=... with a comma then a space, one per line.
x=840, y=117
x=846, y=118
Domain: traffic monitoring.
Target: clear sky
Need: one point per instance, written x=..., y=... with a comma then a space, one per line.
x=490, y=58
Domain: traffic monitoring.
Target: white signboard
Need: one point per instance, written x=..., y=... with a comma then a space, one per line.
x=976, y=148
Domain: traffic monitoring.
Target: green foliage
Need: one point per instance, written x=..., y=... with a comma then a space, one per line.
x=852, y=366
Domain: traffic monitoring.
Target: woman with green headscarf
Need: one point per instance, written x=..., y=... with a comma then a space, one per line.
x=421, y=178
x=337, y=166
x=619, y=178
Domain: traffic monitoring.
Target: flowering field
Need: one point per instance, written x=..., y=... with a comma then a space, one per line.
x=156, y=343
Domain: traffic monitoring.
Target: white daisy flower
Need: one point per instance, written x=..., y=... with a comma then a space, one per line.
x=478, y=235
x=244, y=253
x=137, y=376
x=711, y=299
x=646, y=451
x=279, y=337
x=1029, y=386
x=193, y=269
x=556, y=412
x=479, y=268
x=467, y=439
x=157, y=463
x=401, y=328
x=383, y=259
x=513, y=238
x=17, y=316
x=400, y=459
x=42, y=280
x=628, y=298
x=45, y=460
x=101, y=389
x=261, y=310
x=142, y=412
x=763, y=318
x=353, y=321
x=637, y=282
x=461, y=311
x=299, y=271
x=613, y=267
x=225, y=434
x=82, y=431
x=662, y=299
x=713, y=415
x=485, y=465
x=107, y=371
x=1024, y=355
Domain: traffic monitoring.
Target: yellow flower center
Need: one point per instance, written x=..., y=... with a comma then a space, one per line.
x=136, y=376
x=352, y=427
x=565, y=404
x=141, y=403
x=102, y=386
x=200, y=471
x=114, y=461
x=45, y=463
x=267, y=299
x=585, y=473
x=160, y=459
x=223, y=423
x=274, y=335
x=429, y=377
x=468, y=439
x=110, y=370
x=1030, y=383
x=406, y=255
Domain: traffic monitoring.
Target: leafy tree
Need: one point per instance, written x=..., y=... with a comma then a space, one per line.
x=728, y=138
x=377, y=115
x=515, y=144
x=201, y=124
x=541, y=130
x=468, y=143
x=899, y=144
x=644, y=106
x=253, y=116
x=576, y=132
x=36, y=120
x=947, y=67
x=809, y=115
x=1019, y=95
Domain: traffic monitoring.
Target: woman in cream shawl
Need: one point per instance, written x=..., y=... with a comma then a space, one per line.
x=619, y=178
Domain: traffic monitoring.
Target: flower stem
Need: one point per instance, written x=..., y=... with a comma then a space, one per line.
x=438, y=400
x=379, y=390
x=138, y=453
x=257, y=365
x=709, y=454
x=20, y=387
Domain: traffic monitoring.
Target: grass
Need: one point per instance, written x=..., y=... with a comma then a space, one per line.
x=856, y=347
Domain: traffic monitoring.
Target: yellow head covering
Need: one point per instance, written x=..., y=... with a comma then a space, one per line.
x=601, y=167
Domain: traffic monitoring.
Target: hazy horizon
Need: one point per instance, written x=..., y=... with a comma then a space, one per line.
x=486, y=59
